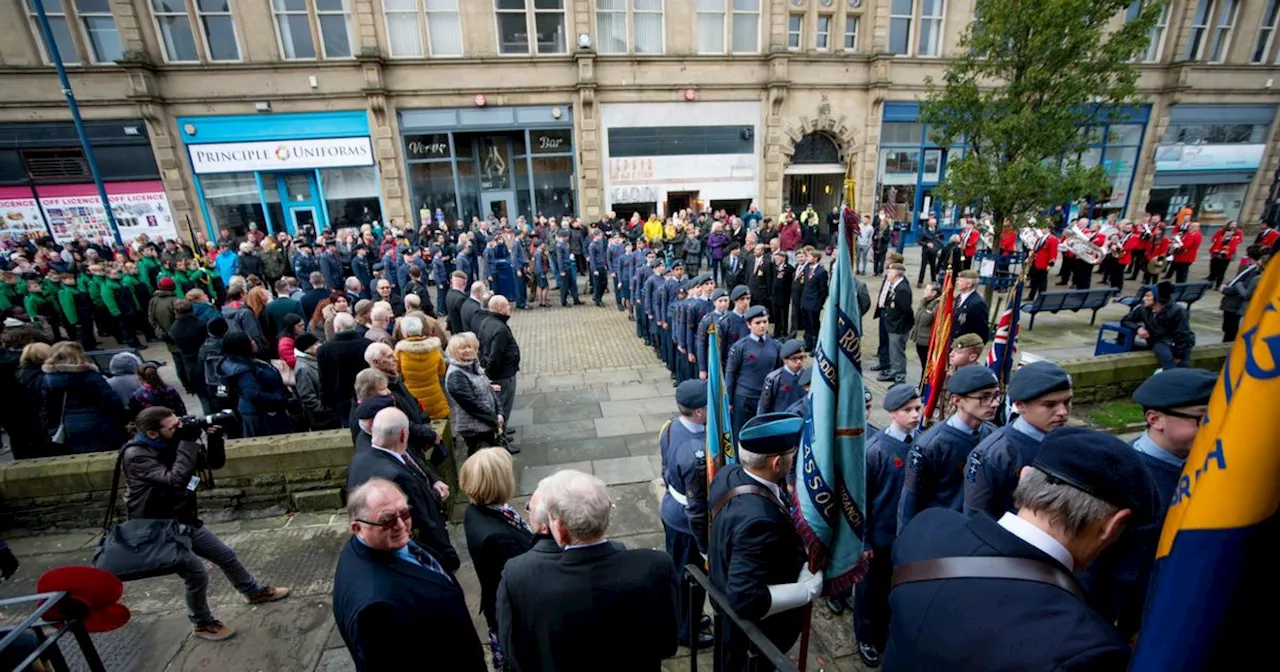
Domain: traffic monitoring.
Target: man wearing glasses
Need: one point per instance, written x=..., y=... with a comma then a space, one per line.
x=936, y=464
x=388, y=591
x=1041, y=395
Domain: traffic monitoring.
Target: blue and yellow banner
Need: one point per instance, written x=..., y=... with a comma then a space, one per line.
x=1212, y=603
x=719, y=435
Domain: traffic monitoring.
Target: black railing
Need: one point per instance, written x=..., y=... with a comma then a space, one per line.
x=73, y=612
x=759, y=648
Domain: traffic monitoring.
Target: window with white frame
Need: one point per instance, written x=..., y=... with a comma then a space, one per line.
x=1199, y=28
x=334, y=21
x=101, y=37
x=741, y=32
x=795, y=31
x=1155, y=36
x=624, y=26
x=918, y=23
x=850, y=33
x=444, y=27
x=746, y=26
x=293, y=27
x=215, y=40
x=525, y=27
x=711, y=31
x=930, y=43
x=404, y=33
x=301, y=24
x=1220, y=38
x=59, y=25
x=901, y=13
x=218, y=28
x=1266, y=32
x=822, y=36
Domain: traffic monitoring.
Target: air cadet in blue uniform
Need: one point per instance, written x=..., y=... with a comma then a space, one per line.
x=641, y=260
x=719, y=307
x=540, y=266
x=887, y=453
x=935, y=472
x=640, y=294
x=782, y=385
x=519, y=262
x=598, y=267
x=1174, y=401
x=1041, y=393
x=674, y=281
x=624, y=275
x=655, y=285
x=682, y=444
x=733, y=326
x=749, y=361
x=696, y=308
x=946, y=618
x=619, y=270
x=756, y=557
x=675, y=329
x=801, y=406
x=568, y=272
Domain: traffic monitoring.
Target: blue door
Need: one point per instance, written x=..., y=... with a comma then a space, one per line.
x=300, y=202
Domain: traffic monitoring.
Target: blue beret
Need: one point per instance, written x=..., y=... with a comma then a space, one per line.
x=657, y=262
x=720, y=291
x=971, y=378
x=739, y=292
x=370, y=407
x=806, y=376
x=677, y=264
x=899, y=395
x=692, y=394
x=771, y=433
x=1101, y=465
x=701, y=279
x=792, y=347
x=1038, y=379
x=756, y=311
x=1176, y=388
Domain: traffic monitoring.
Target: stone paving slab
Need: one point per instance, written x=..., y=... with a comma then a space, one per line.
x=649, y=390
x=621, y=470
x=560, y=431
x=576, y=339
x=567, y=412
x=619, y=426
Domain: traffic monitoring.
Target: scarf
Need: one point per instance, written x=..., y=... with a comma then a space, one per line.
x=510, y=516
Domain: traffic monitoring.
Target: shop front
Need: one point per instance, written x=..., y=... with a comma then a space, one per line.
x=481, y=162
x=284, y=172
x=46, y=185
x=1207, y=159
x=665, y=157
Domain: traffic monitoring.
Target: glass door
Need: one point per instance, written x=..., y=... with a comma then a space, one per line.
x=498, y=204
x=296, y=200
x=300, y=218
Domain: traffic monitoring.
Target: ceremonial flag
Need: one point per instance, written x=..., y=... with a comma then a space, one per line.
x=935, y=371
x=1004, y=345
x=1211, y=605
x=719, y=435
x=831, y=464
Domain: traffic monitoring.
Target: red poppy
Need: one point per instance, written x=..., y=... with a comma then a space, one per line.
x=751, y=357
x=786, y=388
x=897, y=462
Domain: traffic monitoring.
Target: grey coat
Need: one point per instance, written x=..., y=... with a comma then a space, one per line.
x=1237, y=292
x=473, y=401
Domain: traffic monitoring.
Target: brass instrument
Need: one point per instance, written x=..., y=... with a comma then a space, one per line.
x=986, y=234
x=1082, y=246
x=1157, y=265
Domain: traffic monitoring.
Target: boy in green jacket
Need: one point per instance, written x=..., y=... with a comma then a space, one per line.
x=42, y=302
x=121, y=306
x=77, y=311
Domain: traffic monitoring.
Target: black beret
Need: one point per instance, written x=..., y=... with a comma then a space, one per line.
x=792, y=347
x=899, y=395
x=806, y=376
x=702, y=278
x=692, y=394
x=1038, y=379
x=1176, y=388
x=719, y=293
x=1101, y=465
x=971, y=378
x=370, y=407
x=756, y=311
x=739, y=292
x=771, y=433
x=304, y=341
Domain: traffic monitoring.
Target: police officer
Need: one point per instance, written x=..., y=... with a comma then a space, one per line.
x=935, y=471
x=682, y=444
x=1041, y=394
x=1078, y=496
x=749, y=361
x=734, y=325
x=1174, y=401
x=782, y=385
x=719, y=308
x=756, y=557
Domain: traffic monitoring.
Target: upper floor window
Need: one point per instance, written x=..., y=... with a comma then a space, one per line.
x=531, y=27
x=1211, y=30
x=1155, y=36
x=97, y=27
x=101, y=37
x=741, y=32
x=405, y=21
x=301, y=24
x=918, y=22
x=1266, y=33
x=822, y=37
x=850, y=33
x=624, y=26
x=795, y=31
x=215, y=40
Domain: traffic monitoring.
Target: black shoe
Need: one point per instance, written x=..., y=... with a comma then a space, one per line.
x=702, y=641
x=884, y=377
x=834, y=605
x=704, y=623
x=879, y=367
x=869, y=655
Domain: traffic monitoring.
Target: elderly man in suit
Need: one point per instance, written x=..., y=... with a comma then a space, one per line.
x=388, y=591
x=594, y=602
x=971, y=310
x=897, y=315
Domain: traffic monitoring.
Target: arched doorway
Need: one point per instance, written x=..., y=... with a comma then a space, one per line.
x=815, y=174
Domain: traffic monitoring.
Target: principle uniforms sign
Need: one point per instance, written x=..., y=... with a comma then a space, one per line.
x=243, y=157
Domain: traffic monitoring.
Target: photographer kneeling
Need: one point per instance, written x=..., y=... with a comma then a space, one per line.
x=160, y=470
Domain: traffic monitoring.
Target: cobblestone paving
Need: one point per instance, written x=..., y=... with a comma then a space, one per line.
x=577, y=339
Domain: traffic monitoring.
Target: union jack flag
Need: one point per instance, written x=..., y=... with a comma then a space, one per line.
x=1004, y=345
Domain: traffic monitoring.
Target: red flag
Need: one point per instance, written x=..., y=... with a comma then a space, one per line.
x=935, y=372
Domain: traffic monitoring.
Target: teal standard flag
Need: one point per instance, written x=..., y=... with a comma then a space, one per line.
x=831, y=465
x=719, y=437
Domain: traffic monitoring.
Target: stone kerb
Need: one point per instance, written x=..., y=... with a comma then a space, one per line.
x=1110, y=377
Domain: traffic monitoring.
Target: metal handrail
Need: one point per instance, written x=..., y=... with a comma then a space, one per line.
x=760, y=646
x=36, y=622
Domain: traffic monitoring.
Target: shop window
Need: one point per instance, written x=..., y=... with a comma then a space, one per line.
x=520, y=19
x=1215, y=134
x=59, y=25
x=174, y=20
x=1125, y=134
x=232, y=200
x=56, y=165
x=1266, y=32
x=11, y=170
x=126, y=162
x=900, y=133
x=431, y=185
x=850, y=33
x=899, y=166
x=629, y=26
x=524, y=192
x=351, y=195
x=101, y=36
x=553, y=185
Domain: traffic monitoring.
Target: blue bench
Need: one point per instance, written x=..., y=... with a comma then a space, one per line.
x=1073, y=300
x=1183, y=292
x=1114, y=338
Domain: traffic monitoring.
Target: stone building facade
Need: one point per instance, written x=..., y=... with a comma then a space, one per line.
x=589, y=105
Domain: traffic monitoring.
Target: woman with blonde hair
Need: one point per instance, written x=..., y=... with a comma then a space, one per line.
x=421, y=362
x=79, y=402
x=474, y=410
x=495, y=531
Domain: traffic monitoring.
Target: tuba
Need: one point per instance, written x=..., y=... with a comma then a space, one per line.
x=1082, y=246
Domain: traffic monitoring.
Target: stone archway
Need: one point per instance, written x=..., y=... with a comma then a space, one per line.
x=815, y=161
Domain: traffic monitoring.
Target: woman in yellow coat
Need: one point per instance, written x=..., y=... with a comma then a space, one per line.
x=422, y=364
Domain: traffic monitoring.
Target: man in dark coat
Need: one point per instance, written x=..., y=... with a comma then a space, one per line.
x=471, y=309
x=971, y=310
x=898, y=316
x=812, y=299
x=275, y=310
x=186, y=334
x=947, y=618
x=340, y=359
x=596, y=601
x=389, y=592
x=780, y=294
x=312, y=297
x=454, y=299
x=499, y=352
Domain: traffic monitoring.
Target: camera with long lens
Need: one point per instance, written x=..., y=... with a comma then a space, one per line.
x=199, y=423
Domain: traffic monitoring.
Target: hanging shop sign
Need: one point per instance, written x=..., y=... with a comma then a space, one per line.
x=240, y=157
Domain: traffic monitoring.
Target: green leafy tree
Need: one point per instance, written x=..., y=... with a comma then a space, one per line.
x=1023, y=98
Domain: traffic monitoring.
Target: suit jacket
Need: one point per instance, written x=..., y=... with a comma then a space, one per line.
x=735, y=277
x=572, y=611
x=491, y=543
x=429, y=525
x=971, y=318
x=897, y=313
x=384, y=603
x=949, y=623
x=453, y=301
x=470, y=313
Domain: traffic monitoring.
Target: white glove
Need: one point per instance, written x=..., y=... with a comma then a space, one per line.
x=788, y=596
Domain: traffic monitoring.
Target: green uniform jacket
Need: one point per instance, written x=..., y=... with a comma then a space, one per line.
x=37, y=303
x=108, y=288
x=67, y=301
x=149, y=269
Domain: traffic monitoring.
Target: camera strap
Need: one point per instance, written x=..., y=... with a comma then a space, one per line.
x=115, y=488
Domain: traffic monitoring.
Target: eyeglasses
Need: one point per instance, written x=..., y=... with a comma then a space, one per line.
x=989, y=398
x=389, y=522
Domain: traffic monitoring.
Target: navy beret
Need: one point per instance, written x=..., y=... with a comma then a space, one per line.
x=1176, y=388
x=899, y=395
x=1101, y=465
x=692, y=394
x=370, y=407
x=792, y=347
x=771, y=433
x=1038, y=379
x=806, y=376
x=677, y=264
x=720, y=291
x=739, y=292
x=701, y=279
x=756, y=311
x=656, y=263
x=971, y=378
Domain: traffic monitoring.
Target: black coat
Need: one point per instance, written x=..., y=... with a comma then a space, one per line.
x=897, y=313
x=273, y=316
x=470, y=313
x=736, y=277
x=312, y=298
x=761, y=281
x=384, y=604
x=949, y=624
x=499, y=353
x=781, y=288
x=453, y=301
x=571, y=611
x=340, y=359
x=971, y=318
x=491, y=542
x=429, y=525
x=815, y=290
